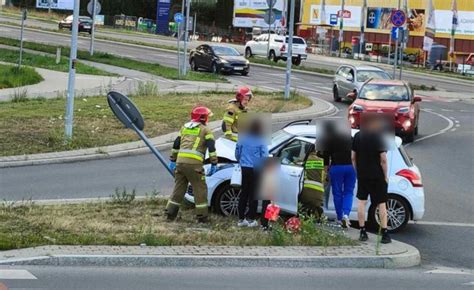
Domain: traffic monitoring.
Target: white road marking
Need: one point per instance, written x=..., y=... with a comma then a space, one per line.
x=442, y=131
x=469, y=284
x=434, y=223
x=451, y=271
x=454, y=129
x=16, y=275
x=447, y=110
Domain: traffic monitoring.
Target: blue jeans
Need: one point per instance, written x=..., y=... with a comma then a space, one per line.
x=343, y=178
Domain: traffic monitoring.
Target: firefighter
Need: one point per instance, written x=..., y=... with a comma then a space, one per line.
x=186, y=160
x=312, y=194
x=230, y=123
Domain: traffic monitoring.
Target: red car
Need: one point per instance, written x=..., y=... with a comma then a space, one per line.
x=393, y=98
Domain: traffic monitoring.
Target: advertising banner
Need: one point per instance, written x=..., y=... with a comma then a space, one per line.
x=56, y=4
x=162, y=16
x=351, y=14
x=465, y=22
x=251, y=13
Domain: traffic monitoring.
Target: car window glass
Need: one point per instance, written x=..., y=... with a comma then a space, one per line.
x=296, y=40
x=382, y=92
x=294, y=153
x=222, y=50
x=364, y=75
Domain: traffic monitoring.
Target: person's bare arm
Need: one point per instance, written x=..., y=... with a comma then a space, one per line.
x=383, y=163
x=353, y=157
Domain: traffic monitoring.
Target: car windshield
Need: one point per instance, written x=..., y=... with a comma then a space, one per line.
x=279, y=137
x=364, y=75
x=222, y=50
x=296, y=40
x=380, y=92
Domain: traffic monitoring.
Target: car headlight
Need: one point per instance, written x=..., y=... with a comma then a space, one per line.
x=357, y=108
x=223, y=61
x=247, y=62
x=403, y=110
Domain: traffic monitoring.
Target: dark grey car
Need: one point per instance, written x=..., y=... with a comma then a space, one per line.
x=349, y=79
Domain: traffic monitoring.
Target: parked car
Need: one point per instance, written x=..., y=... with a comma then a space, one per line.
x=278, y=48
x=218, y=58
x=349, y=79
x=392, y=97
x=291, y=145
x=85, y=23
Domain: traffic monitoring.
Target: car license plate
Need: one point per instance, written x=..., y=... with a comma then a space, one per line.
x=87, y=27
x=238, y=68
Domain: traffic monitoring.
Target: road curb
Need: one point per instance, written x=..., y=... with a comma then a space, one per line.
x=410, y=258
x=138, y=147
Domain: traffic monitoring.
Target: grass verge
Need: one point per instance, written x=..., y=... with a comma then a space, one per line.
x=36, y=126
x=106, y=58
x=136, y=222
x=48, y=62
x=12, y=77
x=422, y=87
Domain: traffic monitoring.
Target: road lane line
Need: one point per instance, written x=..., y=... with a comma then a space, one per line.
x=16, y=275
x=442, y=131
x=452, y=271
x=434, y=223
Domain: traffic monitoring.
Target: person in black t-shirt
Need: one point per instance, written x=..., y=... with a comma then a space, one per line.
x=369, y=157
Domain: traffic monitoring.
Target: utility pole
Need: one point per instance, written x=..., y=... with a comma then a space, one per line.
x=395, y=61
x=49, y=6
x=23, y=18
x=194, y=25
x=341, y=27
x=94, y=12
x=186, y=35
x=270, y=11
x=72, y=74
x=180, y=26
x=290, y=50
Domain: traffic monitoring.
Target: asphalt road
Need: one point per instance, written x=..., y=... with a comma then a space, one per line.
x=451, y=85
x=232, y=278
x=443, y=151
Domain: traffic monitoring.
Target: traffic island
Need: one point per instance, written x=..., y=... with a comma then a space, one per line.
x=124, y=231
x=36, y=125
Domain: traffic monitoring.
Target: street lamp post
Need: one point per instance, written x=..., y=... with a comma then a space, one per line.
x=72, y=74
x=290, y=50
x=186, y=35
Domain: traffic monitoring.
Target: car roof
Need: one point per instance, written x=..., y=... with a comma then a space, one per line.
x=363, y=67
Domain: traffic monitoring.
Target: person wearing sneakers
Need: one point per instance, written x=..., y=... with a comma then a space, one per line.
x=337, y=156
x=250, y=151
x=369, y=158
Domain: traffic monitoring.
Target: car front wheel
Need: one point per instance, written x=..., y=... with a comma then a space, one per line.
x=193, y=65
x=336, y=94
x=398, y=214
x=226, y=201
x=248, y=52
x=214, y=68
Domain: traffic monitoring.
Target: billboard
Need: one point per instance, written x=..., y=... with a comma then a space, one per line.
x=251, y=13
x=162, y=16
x=465, y=22
x=56, y=4
x=352, y=15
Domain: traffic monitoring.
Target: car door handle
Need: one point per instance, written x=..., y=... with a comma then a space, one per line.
x=294, y=173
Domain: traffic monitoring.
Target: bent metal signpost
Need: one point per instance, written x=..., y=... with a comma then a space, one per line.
x=129, y=115
x=398, y=19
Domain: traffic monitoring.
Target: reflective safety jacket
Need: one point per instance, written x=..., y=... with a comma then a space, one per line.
x=230, y=122
x=314, y=172
x=191, y=144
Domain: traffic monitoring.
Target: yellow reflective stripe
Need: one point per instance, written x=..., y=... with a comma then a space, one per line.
x=228, y=132
x=314, y=164
x=209, y=136
x=173, y=202
x=191, y=131
x=201, y=205
x=313, y=186
x=196, y=143
x=190, y=155
x=212, y=154
x=174, y=150
x=229, y=119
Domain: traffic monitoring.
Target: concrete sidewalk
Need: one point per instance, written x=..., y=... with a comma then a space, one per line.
x=364, y=255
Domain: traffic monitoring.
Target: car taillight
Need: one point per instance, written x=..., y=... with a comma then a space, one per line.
x=283, y=48
x=414, y=179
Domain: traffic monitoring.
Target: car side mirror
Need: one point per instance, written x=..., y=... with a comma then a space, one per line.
x=417, y=99
x=350, y=78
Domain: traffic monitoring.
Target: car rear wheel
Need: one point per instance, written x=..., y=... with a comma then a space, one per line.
x=272, y=56
x=336, y=94
x=248, y=52
x=398, y=214
x=226, y=201
x=194, y=67
x=296, y=61
x=245, y=73
x=410, y=137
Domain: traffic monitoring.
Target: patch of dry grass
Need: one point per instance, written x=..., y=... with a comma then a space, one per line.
x=137, y=222
x=36, y=126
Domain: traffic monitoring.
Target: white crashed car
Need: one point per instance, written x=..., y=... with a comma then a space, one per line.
x=406, y=195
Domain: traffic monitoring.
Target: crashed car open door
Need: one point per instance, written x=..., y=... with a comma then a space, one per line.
x=292, y=157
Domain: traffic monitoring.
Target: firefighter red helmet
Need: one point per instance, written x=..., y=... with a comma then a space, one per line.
x=201, y=114
x=243, y=92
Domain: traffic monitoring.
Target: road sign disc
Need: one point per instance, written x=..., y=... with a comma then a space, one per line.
x=124, y=109
x=398, y=18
